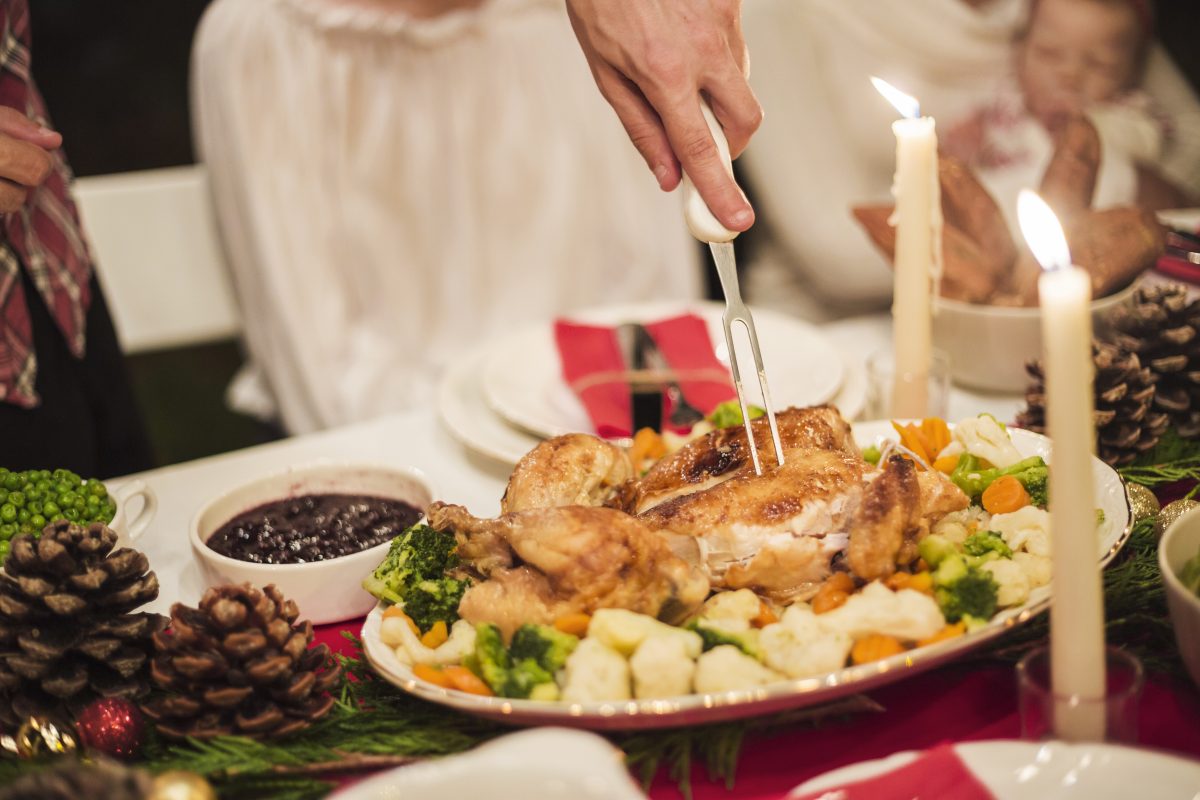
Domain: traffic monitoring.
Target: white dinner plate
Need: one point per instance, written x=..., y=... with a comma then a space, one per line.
x=522, y=378
x=1014, y=770
x=787, y=694
x=465, y=413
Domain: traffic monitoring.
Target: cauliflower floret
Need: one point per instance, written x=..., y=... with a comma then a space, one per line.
x=624, y=630
x=986, y=438
x=731, y=611
x=661, y=667
x=452, y=651
x=595, y=672
x=952, y=449
x=799, y=645
x=906, y=614
x=1026, y=529
x=956, y=526
x=1011, y=580
x=727, y=669
x=1037, y=569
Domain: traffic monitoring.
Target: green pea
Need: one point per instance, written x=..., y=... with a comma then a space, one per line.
x=34, y=507
x=67, y=498
x=62, y=487
x=23, y=515
x=51, y=510
x=8, y=512
x=16, y=498
x=80, y=505
x=97, y=489
x=8, y=530
x=37, y=521
x=44, y=486
x=3, y=495
x=12, y=481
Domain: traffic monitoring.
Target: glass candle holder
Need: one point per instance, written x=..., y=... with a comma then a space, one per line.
x=1118, y=708
x=881, y=382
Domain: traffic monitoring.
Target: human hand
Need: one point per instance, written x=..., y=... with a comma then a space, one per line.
x=24, y=156
x=652, y=59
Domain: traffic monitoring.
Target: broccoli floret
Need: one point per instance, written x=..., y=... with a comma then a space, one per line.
x=962, y=590
x=935, y=548
x=418, y=554
x=490, y=661
x=729, y=414
x=984, y=542
x=711, y=636
x=434, y=600
x=525, y=676
x=547, y=646
x=1032, y=472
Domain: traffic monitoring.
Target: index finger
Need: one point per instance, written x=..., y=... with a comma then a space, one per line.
x=702, y=161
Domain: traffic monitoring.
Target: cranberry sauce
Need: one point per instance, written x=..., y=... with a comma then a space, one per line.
x=312, y=527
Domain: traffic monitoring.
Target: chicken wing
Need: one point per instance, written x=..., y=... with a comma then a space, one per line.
x=724, y=454
x=542, y=563
x=577, y=469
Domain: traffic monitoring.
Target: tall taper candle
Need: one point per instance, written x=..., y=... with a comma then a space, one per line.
x=1077, y=656
x=918, y=211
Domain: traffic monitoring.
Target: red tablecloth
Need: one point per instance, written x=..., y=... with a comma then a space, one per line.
x=954, y=703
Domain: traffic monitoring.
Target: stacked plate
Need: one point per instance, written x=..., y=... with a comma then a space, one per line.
x=504, y=397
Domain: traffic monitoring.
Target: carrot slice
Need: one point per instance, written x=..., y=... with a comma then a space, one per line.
x=574, y=624
x=936, y=435
x=828, y=601
x=874, y=648
x=948, y=632
x=436, y=636
x=765, y=616
x=464, y=680
x=910, y=437
x=433, y=675
x=1004, y=495
x=647, y=443
x=946, y=464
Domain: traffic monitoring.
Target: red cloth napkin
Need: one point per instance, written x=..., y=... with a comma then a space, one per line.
x=938, y=774
x=592, y=365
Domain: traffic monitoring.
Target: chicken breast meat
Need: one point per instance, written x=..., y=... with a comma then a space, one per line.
x=577, y=469
x=540, y=564
x=724, y=454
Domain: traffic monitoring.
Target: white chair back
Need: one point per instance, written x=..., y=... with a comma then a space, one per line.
x=159, y=257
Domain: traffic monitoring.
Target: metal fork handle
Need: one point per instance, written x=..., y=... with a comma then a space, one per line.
x=737, y=311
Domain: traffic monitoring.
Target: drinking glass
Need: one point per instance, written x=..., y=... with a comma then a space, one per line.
x=1118, y=708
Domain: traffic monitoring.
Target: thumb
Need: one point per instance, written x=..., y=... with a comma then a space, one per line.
x=15, y=124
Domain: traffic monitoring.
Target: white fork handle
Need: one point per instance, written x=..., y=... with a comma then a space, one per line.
x=700, y=220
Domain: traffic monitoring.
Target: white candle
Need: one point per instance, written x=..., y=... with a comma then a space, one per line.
x=1077, y=657
x=918, y=212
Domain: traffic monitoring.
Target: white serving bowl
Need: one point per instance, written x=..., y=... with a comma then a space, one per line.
x=989, y=345
x=1180, y=542
x=325, y=591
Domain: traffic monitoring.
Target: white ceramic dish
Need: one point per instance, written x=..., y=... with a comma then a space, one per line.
x=541, y=764
x=1179, y=543
x=988, y=346
x=130, y=524
x=1014, y=770
x=465, y=413
x=325, y=591
x=522, y=378
x=799, y=693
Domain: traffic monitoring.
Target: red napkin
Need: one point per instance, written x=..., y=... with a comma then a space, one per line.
x=593, y=367
x=938, y=774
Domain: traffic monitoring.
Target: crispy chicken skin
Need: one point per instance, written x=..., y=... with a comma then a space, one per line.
x=577, y=469
x=724, y=454
x=777, y=532
x=543, y=563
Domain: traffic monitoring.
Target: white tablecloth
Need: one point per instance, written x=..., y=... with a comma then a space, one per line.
x=413, y=439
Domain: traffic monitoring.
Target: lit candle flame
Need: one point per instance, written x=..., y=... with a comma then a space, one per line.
x=1042, y=231
x=906, y=104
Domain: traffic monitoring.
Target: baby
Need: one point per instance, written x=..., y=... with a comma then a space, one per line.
x=1074, y=57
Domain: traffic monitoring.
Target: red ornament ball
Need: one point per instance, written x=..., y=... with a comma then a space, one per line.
x=113, y=726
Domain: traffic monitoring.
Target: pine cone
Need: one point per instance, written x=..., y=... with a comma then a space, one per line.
x=239, y=664
x=72, y=780
x=66, y=632
x=1126, y=424
x=1162, y=327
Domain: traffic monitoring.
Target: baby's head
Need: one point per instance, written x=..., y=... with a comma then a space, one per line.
x=1076, y=53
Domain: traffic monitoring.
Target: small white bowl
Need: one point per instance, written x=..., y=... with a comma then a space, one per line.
x=1181, y=542
x=989, y=345
x=325, y=591
x=128, y=525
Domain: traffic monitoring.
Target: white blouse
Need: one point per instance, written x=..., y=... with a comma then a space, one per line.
x=826, y=142
x=392, y=191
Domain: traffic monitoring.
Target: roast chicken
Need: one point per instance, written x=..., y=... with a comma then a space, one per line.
x=572, y=470
x=540, y=564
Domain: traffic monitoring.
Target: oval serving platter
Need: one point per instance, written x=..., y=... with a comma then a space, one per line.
x=789, y=694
